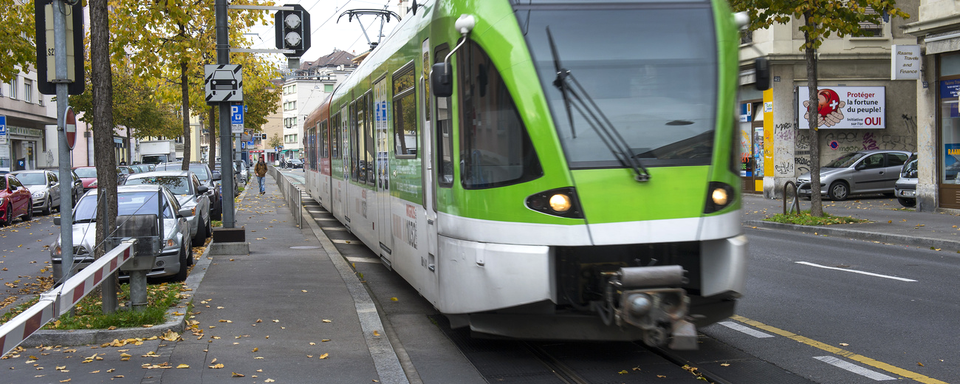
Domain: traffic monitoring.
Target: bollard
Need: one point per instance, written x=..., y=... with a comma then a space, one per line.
x=138, y=290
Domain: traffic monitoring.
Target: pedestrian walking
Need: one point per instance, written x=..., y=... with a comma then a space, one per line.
x=261, y=170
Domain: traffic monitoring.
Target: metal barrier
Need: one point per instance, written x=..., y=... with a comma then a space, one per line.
x=292, y=196
x=795, y=205
x=59, y=300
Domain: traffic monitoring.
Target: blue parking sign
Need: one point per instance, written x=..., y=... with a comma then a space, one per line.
x=236, y=114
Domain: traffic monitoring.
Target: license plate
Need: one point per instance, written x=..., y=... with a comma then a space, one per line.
x=908, y=193
x=805, y=191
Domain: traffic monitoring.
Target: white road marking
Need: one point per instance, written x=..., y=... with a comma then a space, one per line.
x=836, y=362
x=750, y=331
x=855, y=271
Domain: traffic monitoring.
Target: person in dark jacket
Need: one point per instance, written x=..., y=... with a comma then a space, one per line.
x=261, y=171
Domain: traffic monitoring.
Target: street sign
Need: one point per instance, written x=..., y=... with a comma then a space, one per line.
x=236, y=118
x=223, y=83
x=70, y=127
x=3, y=130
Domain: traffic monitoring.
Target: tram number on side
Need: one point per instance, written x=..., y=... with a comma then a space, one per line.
x=405, y=230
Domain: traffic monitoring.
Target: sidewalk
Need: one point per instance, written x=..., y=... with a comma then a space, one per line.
x=308, y=324
x=889, y=221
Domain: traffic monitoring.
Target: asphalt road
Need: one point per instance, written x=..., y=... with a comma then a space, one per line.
x=25, y=256
x=892, y=310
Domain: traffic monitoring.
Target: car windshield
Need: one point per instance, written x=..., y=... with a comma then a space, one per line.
x=656, y=89
x=198, y=169
x=32, y=178
x=845, y=161
x=86, y=172
x=179, y=185
x=128, y=203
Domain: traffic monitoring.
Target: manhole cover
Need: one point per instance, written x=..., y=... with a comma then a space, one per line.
x=305, y=247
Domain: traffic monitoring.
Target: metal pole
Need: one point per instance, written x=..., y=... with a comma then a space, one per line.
x=66, y=178
x=226, y=144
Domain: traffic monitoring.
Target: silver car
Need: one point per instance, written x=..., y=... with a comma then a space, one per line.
x=176, y=254
x=906, y=188
x=870, y=171
x=190, y=193
x=45, y=188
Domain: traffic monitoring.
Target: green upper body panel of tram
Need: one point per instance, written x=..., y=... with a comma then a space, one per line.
x=625, y=107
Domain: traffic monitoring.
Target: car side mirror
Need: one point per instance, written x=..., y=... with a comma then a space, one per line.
x=185, y=212
x=202, y=189
x=440, y=80
x=217, y=175
x=56, y=220
x=860, y=166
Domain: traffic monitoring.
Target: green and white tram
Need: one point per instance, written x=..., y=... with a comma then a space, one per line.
x=547, y=169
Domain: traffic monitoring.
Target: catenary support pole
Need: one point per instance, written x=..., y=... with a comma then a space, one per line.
x=226, y=142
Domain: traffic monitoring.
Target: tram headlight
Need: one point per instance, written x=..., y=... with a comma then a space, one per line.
x=719, y=196
x=557, y=202
x=560, y=202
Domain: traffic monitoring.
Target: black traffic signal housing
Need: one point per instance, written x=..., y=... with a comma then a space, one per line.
x=293, y=30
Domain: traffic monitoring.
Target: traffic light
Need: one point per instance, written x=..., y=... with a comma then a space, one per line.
x=293, y=30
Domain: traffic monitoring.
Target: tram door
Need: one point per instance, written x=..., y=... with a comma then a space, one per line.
x=429, y=178
x=383, y=168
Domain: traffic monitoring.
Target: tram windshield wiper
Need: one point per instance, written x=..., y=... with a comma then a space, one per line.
x=575, y=95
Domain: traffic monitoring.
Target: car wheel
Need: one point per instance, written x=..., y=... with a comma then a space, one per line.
x=838, y=191
x=201, y=234
x=47, y=207
x=182, y=273
x=7, y=221
x=909, y=203
x=29, y=215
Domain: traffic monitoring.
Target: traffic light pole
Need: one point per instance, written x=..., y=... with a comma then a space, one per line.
x=226, y=142
x=66, y=187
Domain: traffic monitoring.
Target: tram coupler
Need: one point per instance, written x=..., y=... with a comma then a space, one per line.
x=650, y=299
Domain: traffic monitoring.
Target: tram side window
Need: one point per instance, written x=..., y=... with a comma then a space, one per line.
x=404, y=114
x=324, y=141
x=495, y=149
x=444, y=133
x=356, y=114
x=368, y=142
x=335, y=136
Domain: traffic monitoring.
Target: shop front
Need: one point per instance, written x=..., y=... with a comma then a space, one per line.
x=19, y=151
x=948, y=155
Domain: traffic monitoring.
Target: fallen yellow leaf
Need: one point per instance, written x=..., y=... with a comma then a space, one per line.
x=182, y=366
x=255, y=349
x=237, y=374
x=324, y=356
x=394, y=299
x=375, y=333
x=623, y=372
x=217, y=366
x=327, y=321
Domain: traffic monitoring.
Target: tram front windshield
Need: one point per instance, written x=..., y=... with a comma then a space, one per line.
x=650, y=68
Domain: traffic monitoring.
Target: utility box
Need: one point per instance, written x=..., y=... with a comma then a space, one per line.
x=147, y=230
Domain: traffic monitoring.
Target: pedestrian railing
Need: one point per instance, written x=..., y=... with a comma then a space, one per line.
x=291, y=194
x=59, y=300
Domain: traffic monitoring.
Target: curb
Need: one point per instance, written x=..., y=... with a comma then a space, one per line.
x=913, y=241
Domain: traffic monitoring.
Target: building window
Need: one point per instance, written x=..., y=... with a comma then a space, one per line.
x=871, y=29
x=404, y=113
x=28, y=90
x=13, y=88
x=746, y=37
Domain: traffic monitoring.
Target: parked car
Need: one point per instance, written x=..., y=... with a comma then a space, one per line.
x=241, y=167
x=189, y=192
x=870, y=171
x=15, y=200
x=123, y=172
x=88, y=175
x=208, y=178
x=906, y=187
x=236, y=180
x=294, y=164
x=77, y=187
x=45, y=188
x=176, y=253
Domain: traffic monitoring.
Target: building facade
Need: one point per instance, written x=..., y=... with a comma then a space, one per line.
x=938, y=119
x=875, y=112
x=29, y=137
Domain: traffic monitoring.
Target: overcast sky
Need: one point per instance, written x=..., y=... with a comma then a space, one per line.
x=327, y=33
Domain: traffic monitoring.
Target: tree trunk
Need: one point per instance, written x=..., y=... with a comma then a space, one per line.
x=185, y=111
x=816, y=201
x=104, y=158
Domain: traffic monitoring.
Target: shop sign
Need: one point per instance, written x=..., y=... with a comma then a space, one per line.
x=845, y=107
x=3, y=130
x=905, y=64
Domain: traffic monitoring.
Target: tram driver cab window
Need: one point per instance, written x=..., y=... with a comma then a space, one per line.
x=495, y=149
